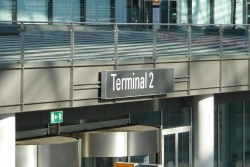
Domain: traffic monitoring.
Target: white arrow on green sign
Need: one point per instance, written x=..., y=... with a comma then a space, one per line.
x=56, y=117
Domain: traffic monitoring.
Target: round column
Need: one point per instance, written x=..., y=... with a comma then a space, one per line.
x=204, y=131
x=7, y=140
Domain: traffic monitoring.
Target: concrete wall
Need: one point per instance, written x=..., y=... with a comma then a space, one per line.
x=43, y=87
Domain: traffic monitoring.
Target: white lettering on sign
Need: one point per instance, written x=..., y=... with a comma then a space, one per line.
x=132, y=83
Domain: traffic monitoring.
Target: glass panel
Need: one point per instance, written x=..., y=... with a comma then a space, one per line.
x=10, y=43
x=169, y=150
x=201, y=12
x=183, y=149
x=222, y=11
x=168, y=12
x=174, y=118
x=141, y=11
x=135, y=12
x=164, y=11
x=146, y=118
x=235, y=41
x=6, y=10
x=105, y=162
x=110, y=161
x=172, y=41
x=147, y=12
x=32, y=10
x=140, y=159
x=42, y=44
x=247, y=134
x=102, y=162
x=94, y=42
x=135, y=42
x=66, y=10
x=231, y=134
x=183, y=12
x=98, y=10
x=173, y=12
x=190, y=11
x=205, y=40
x=121, y=11
x=248, y=14
x=215, y=136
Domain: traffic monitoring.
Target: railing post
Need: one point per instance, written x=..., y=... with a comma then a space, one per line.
x=22, y=30
x=154, y=44
x=248, y=40
x=248, y=57
x=72, y=60
x=116, y=31
x=221, y=58
x=221, y=40
x=189, y=56
x=189, y=40
x=22, y=61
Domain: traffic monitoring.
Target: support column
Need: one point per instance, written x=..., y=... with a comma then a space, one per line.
x=7, y=140
x=204, y=131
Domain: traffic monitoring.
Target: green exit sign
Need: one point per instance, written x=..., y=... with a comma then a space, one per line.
x=56, y=117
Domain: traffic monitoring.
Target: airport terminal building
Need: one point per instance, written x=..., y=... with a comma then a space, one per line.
x=90, y=83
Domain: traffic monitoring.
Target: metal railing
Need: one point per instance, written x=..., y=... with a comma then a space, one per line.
x=43, y=41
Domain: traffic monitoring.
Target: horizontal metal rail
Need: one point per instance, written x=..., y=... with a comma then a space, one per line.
x=46, y=41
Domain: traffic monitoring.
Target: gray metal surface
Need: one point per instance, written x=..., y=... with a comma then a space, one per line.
x=58, y=155
x=120, y=142
x=26, y=156
x=101, y=144
x=48, y=152
x=144, y=143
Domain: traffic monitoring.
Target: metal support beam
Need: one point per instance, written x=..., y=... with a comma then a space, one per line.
x=22, y=60
x=72, y=60
x=116, y=31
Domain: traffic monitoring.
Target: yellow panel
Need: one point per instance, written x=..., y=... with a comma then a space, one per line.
x=124, y=165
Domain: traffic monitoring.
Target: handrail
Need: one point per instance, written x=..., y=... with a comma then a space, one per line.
x=29, y=41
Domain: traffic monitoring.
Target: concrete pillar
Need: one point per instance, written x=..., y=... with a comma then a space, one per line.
x=203, y=131
x=7, y=140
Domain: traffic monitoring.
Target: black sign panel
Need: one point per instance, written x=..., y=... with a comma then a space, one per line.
x=132, y=83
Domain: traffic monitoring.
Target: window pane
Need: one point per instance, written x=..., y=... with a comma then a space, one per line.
x=98, y=10
x=248, y=14
x=173, y=12
x=169, y=150
x=231, y=134
x=183, y=11
x=215, y=136
x=222, y=11
x=183, y=149
x=32, y=10
x=66, y=10
x=146, y=118
x=6, y=10
x=247, y=134
x=176, y=117
x=147, y=12
x=121, y=11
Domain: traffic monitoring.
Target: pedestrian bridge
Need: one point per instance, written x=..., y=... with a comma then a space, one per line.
x=57, y=65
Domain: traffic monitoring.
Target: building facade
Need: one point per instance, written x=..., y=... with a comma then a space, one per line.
x=181, y=66
x=127, y=11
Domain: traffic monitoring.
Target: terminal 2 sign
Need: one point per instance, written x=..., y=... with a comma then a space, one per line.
x=133, y=83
